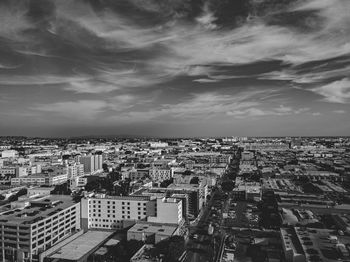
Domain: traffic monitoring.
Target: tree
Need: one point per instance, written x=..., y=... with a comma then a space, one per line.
x=176, y=248
x=187, y=173
x=14, y=197
x=62, y=189
x=227, y=185
x=194, y=180
x=92, y=185
x=77, y=196
x=22, y=192
x=166, y=183
x=105, y=167
x=172, y=248
x=114, y=176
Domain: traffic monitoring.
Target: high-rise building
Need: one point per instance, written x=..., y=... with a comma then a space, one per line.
x=89, y=163
x=98, y=162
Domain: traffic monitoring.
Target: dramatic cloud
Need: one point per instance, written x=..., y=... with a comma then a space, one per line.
x=335, y=92
x=236, y=64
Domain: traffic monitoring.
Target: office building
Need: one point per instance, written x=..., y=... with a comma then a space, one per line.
x=40, y=180
x=26, y=232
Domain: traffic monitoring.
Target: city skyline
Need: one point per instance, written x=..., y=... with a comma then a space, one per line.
x=175, y=68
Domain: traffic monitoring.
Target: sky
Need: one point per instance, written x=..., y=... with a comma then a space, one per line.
x=175, y=68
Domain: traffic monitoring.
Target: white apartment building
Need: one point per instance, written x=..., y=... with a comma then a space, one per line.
x=40, y=179
x=169, y=211
x=35, y=169
x=115, y=212
x=161, y=174
x=7, y=171
x=98, y=161
x=9, y=154
x=21, y=171
x=75, y=170
x=120, y=212
x=158, y=144
x=78, y=181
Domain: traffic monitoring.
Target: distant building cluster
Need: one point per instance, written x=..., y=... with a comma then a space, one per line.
x=60, y=193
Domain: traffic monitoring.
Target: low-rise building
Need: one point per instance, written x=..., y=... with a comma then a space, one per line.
x=168, y=210
x=248, y=191
x=115, y=212
x=40, y=180
x=152, y=233
x=158, y=174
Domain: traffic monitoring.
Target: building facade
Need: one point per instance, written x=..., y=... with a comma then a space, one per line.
x=27, y=232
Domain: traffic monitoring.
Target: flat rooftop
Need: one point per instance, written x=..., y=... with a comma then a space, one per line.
x=153, y=228
x=49, y=205
x=81, y=246
x=183, y=186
